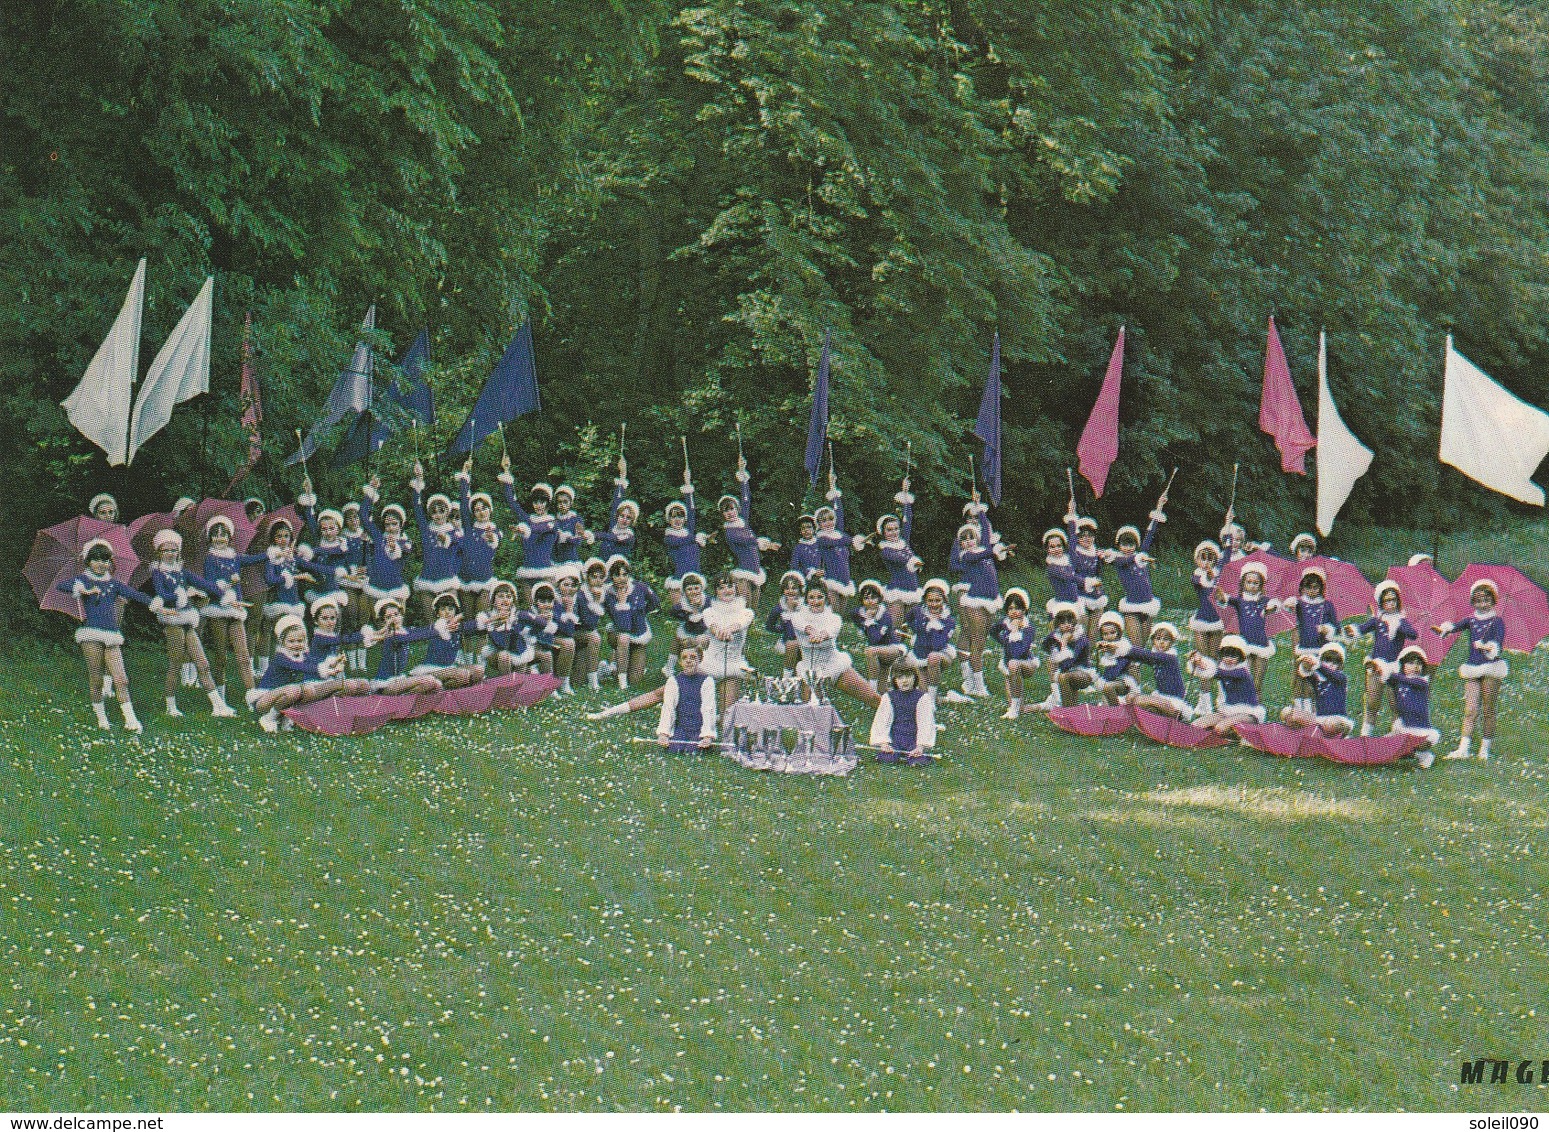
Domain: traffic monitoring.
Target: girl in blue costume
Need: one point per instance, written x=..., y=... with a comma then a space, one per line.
x=174, y=608
x=904, y=727
x=572, y=528
x=591, y=600
x=688, y=610
x=778, y=622
x=1316, y=624
x=1111, y=652
x=330, y=640
x=1252, y=608
x=744, y=544
x=508, y=647
x=687, y=721
x=1131, y=560
x=480, y=542
x=1325, y=675
x=1063, y=579
x=1238, y=698
x=284, y=571
x=292, y=677
x=552, y=632
x=538, y=529
x=835, y=546
x=446, y=646
x=1484, y=669
x=933, y=627
x=875, y=621
x=1017, y=639
x=393, y=664
x=1411, y=685
x=973, y=559
x=683, y=539
x=895, y=534
x=440, y=545
x=618, y=539
x=1087, y=561
x=1206, y=623
x=1170, y=696
x=1390, y=631
x=357, y=614
x=628, y=604
x=1069, y=654
x=806, y=555
x=390, y=548
x=225, y=620
x=100, y=636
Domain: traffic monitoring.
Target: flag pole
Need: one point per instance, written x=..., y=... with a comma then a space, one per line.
x=973, y=475
x=1070, y=478
x=739, y=440
x=1232, y=502
x=908, y=457
x=687, y=478
x=302, y=448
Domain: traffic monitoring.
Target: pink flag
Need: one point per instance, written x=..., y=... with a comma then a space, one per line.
x=1280, y=413
x=1099, y=445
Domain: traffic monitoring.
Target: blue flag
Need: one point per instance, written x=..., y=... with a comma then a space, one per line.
x=817, y=428
x=987, y=427
x=414, y=396
x=350, y=394
x=354, y=447
x=510, y=392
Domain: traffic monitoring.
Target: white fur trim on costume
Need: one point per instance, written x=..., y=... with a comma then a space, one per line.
x=316, y=601
x=1206, y=626
x=1054, y=532
x=1085, y=523
x=1265, y=651
x=1384, y=587
x=486, y=586
x=883, y=519
x=1430, y=733
x=638, y=638
x=1484, y=584
x=98, y=500
x=218, y=520
x=108, y=637
x=988, y=604
x=1254, y=568
x=755, y=576
x=629, y=505
x=1304, y=537
x=1496, y=669
x=1018, y=591
x=870, y=584
x=92, y=544
x=907, y=597
x=395, y=509
x=330, y=513
x=400, y=594
x=283, y=609
x=215, y=611
x=1255, y=713
x=386, y=600
x=1094, y=604
x=1314, y=653
x=1114, y=619
x=286, y=623
x=968, y=529
x=436, y=586
x=1184, y=709
x=1416, y=559
x=1133, y=532
x=1332, y=647
x=438, y=497
x=1144, y=608
x=847, y=589
x=936, y=584
x=170, y=538
x=187, y=618
x=1207, y=544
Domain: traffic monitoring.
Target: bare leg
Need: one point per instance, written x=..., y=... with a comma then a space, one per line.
x=1092, y=616
x=852, y=684
x=933, y=671
x=564, y=657
x=1113, y=691
x=217, y=632
x=728, y=691
x=1158, y=705
x=173, y=636
x=427, y=608
x=113, y=656
x=977, y=624
x=1471, y=697
x=545, y=662
x=195, y=653
x=93, y=652
x=792, y=656
x=621, y=657
x=1259, y=667
x=1137, y=627
x=1208, y=643
x=1489, y=694
x=636, y=663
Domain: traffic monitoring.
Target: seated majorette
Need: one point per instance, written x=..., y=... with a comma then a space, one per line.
x=904, y=727
x=1068, y=653
x=932, y=627
x=875, y=621
x=446, y=644
x=1237, y=700
x=1170, y=696
x=293, y=677
x=552, y=632
x=1111, y=652
x=1325, y=675
x=1017, y=639
x=329, y=640
x=393, y=664
x=508, y=648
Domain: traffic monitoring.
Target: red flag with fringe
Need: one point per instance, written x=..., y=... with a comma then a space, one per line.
x=252, y=407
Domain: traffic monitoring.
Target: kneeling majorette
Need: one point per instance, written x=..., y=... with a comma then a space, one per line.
x=1237, y=700
x=508, y=648
x=1017, y=638
x=1111, y=652
x=1411, y=684
x=904, y=726
x=1068, y=652
x=689, y=602
x=933, y=628
x=1324, y=674
x=1170, y=696
x=779, y=620
x=876, y=625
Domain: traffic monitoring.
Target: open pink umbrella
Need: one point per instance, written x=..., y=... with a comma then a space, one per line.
x=1376, y=750
x=1522, y=605
x=253, y=585
x=1277, y=739
x=1427, y=601
x=142, y=536
x=1277, y=584
x=1347, y=587
x=56, y=556
x=1093, y=720
x=1175, y=732
x=191, y=524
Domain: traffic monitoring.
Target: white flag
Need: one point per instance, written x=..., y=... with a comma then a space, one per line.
x=180, y=372
x=1490, y=435
x=1342, y=459
x=99, y=405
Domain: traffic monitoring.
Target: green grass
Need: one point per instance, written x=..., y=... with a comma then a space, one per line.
x=524, y=911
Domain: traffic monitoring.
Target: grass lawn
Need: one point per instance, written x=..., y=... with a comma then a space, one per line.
x=523, y=910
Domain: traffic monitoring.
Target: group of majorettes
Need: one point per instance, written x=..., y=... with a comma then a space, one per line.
x=589, y=618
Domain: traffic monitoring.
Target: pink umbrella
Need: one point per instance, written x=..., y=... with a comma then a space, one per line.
x=253, y=585
x=1522, y=605
x=56, y=556
x=1278, y=583
x=1277, y=739
x=1347, y=588
x=1176, y=733
x=1427, y=601
x=142, y=536
x=1093, y=720
x=1355, y=751
x=191, y=524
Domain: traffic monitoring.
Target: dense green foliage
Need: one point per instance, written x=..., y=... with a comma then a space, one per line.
x=684, y=198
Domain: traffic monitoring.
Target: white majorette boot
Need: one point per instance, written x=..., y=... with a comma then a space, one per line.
x=172, y=708
x=1484, y=749
x=1461, y=751
x=1015, y=710
x=100, y=710
x=130, y=722
x=219, y=708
